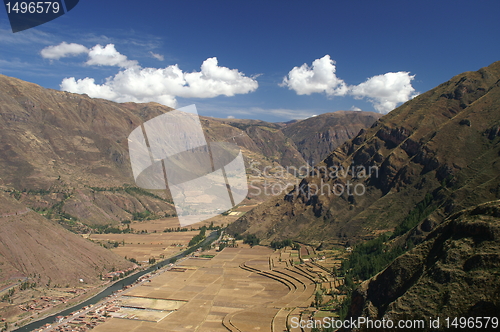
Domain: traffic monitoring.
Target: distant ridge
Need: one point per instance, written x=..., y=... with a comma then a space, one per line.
x=316, y=137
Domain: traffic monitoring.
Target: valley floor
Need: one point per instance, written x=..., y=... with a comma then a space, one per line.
x=237, y=289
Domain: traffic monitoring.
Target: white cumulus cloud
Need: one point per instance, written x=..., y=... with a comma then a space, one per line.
x=384, y=91
x=63, y=50
x=213, y=81
x=163, y=85
x=108, y=56
x=321, y=77
x=88, y=86
x=97, y=55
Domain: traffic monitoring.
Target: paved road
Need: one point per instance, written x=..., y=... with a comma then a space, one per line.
x=20, y=282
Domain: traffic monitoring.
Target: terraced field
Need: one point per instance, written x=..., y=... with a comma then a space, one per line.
x=240, y=289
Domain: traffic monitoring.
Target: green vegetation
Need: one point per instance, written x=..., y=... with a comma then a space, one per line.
x=369, y=258
x=284, y=243
x=26, y=285
x=207, y=256
x=141, y=215
x=365, y=261
x=252, y=240
x=178, y=229
x=109, y=229
x=17, y=194
x=421, y=211
x=8, y=297
x=199, y=237
x=318, y=299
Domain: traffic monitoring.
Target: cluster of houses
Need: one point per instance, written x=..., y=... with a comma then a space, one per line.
x=43, y=303
x=85, y=321
x=117, y=274
x=89, y=320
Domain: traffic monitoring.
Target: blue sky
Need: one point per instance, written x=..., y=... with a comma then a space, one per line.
x=368, y=55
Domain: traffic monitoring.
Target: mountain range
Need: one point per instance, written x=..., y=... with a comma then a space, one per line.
x=64, y=162
x=427, y=174
x=69, y=153
x=418, y=193
x=439, y=152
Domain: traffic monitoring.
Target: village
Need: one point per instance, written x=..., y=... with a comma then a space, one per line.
x=90, y=316
x=110, y=307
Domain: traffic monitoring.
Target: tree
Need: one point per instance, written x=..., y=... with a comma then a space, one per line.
x=252, y=240
x=318, y=299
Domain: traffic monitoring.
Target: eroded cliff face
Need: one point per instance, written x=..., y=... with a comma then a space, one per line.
x=318, y=136
x=452, y=273
x=443, y=143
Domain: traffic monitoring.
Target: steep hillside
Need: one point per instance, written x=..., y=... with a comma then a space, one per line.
x=264, y=139
x=67, y=154
x=436, y=154
x=35, y=248
x=318, y=136
x=453, y=273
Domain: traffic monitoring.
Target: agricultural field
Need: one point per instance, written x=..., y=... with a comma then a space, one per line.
x=238, y=289
x=142, y=247
x=149, y=239
x=210, y=290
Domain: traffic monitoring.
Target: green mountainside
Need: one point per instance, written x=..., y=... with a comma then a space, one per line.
x=454, y=272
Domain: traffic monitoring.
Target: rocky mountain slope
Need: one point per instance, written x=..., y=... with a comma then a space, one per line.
x=42, y=251
x=66, y=154
x=452, y=273
x=439, y=152
x=318, y=136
